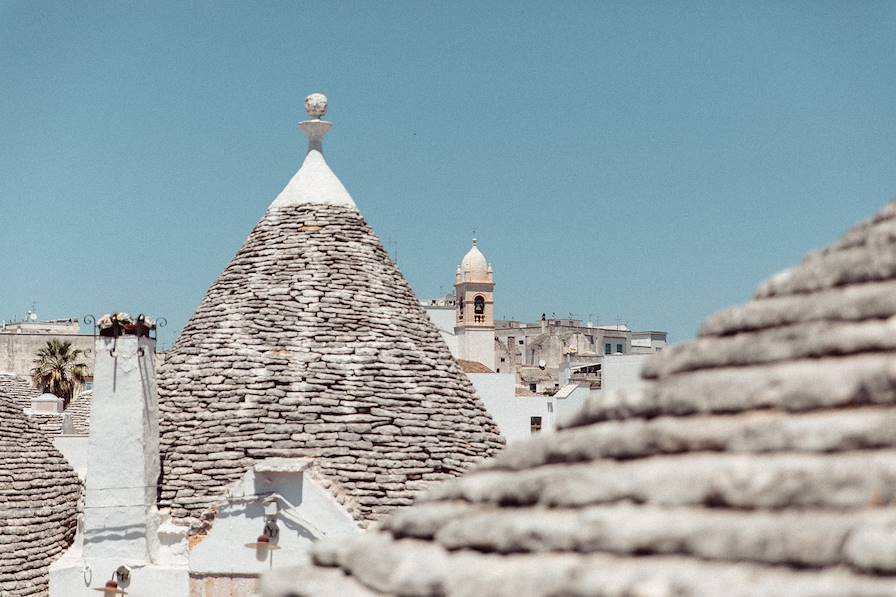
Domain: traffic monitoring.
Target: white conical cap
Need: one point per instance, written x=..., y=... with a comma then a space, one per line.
x=314, y=182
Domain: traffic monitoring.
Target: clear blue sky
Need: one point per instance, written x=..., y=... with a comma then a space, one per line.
x=652, y=161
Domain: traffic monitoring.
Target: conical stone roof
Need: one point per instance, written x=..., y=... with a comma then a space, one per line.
x=17, y=389
x=312, y=344
x=756, y=461
x=39, y=495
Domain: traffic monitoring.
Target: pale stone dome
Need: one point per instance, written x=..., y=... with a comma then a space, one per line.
x=474, y=261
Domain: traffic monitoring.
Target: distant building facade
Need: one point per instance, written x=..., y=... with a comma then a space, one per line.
x=20, y=340
x=542, y=356
x=538, y=353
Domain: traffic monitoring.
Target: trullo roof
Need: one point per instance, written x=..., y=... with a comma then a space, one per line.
x=756, y=461
x=39, y=495
x=17, y=389
x=311, y=344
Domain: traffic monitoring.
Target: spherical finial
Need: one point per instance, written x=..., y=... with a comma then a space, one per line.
x=316, y=105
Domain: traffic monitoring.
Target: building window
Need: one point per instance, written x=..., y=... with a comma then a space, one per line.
x=502, y=359
x=535, y=424
x=608, y=348
x=498, y=370
x=521, y=342
x=619, y=348
x=532, y=387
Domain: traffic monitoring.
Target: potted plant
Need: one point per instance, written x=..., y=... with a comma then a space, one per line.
x=113, y=325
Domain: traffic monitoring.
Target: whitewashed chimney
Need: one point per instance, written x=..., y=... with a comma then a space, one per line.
x=123, y=452
x=119, y=539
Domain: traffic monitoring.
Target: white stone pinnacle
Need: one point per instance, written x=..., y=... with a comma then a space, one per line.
x=316, y=105
x=314, y=182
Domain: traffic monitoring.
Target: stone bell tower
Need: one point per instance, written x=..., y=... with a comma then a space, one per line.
x=475, y=323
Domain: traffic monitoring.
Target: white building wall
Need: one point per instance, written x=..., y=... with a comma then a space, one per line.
x=443, y=318
x=621, y=370
x=477, y=345
x=74, y=448
x=276, y=489
x=563, y=407
x=512, y=414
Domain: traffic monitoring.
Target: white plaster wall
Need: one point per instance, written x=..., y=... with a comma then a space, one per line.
x=564, y=407
x=74, y=448
x=477, y=345
x=497, y=391
x=621, y=370
x=305, y=512
x=70, y=577
x=444, y=320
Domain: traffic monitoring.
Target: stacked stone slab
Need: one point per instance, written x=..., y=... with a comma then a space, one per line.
x=311, y=344
x=20, y=391
x=39, y=495
x=17, y=389
x=755, y=461
x=79, y=410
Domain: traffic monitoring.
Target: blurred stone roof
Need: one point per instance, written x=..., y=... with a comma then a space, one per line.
x=39, y=495
x=756, y=461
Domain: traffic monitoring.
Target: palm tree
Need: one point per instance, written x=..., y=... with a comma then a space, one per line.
x=58, y=369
